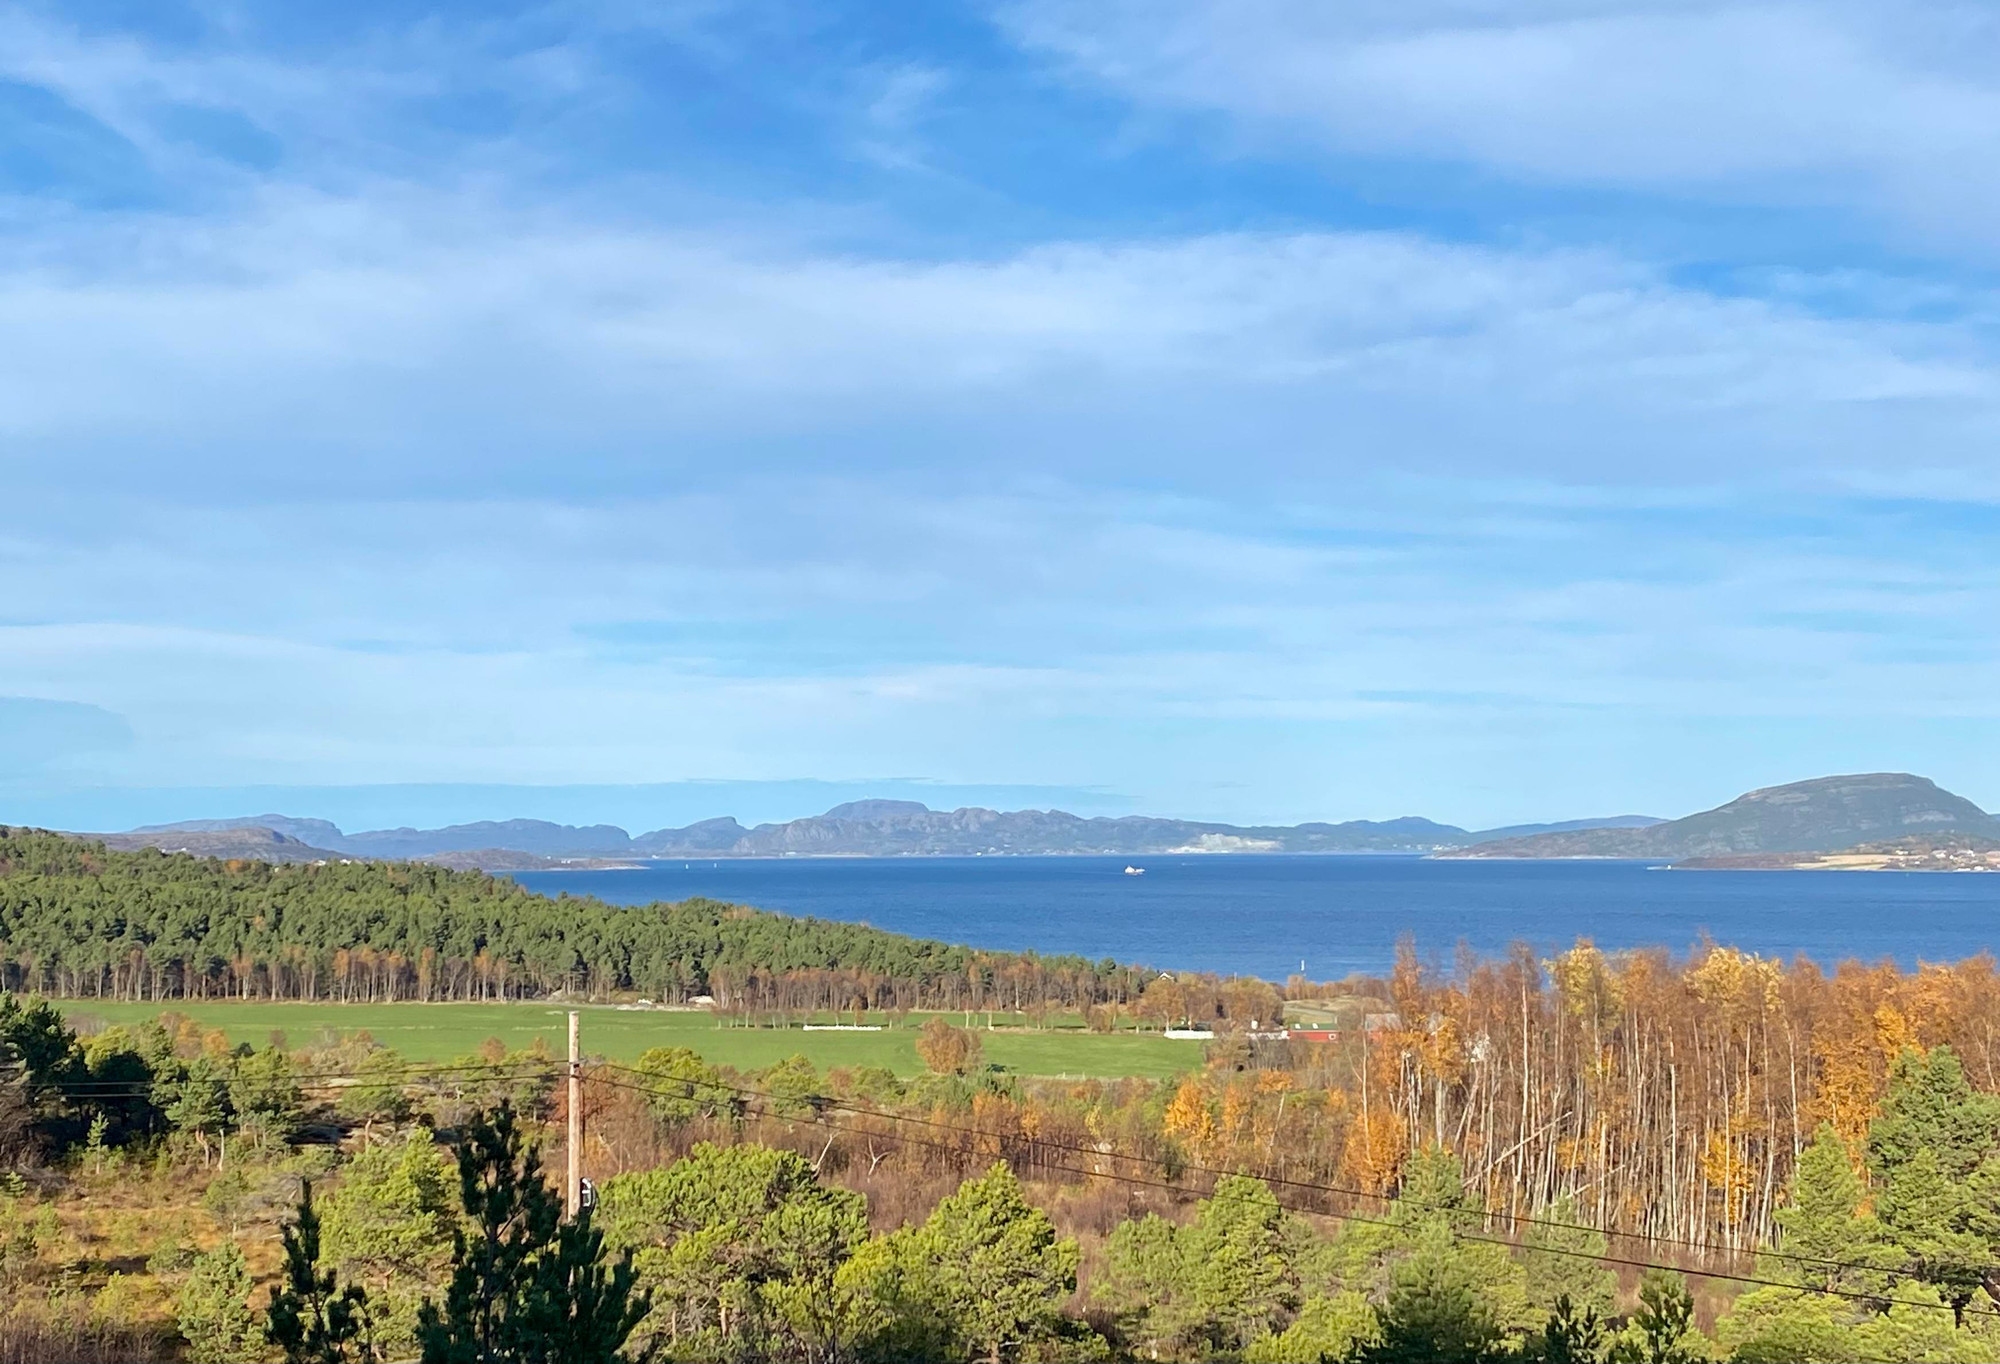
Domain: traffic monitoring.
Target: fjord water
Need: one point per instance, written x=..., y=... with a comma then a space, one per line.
x=1262, y=915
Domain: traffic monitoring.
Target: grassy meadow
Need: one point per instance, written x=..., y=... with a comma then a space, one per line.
x=441, y=1032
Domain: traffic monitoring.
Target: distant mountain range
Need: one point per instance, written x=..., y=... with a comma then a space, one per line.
x=231, y=841
x=862, y=828
x=515, y=835
x=1827, y=814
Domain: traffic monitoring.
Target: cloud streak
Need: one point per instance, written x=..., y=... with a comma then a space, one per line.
x=849, y=633
x=490, y=338
x=1871, y=107
x=450, y=402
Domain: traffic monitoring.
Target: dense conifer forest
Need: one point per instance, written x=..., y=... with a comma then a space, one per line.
x=80, y=921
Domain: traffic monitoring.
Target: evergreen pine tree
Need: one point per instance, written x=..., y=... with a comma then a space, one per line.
x=1143, y=1288
x=1784, y=1325
x=1927, y=1211
x=310, y=1319
x=740, y=1246
x=1570, y=1336
x=1664, y=1323
x=1437, y=1310
x=1237, y=1258
x=526, y=1286
x=213, y=1308
x=1557, y=1252
x=1927, y=1153
x=1329, y=1330
x=389, y=1225
x=993, y=1265
x=1827, y=1241
x=681, y=1086
x=264, y=1095
x=1931, y=1106
x=198, y=1101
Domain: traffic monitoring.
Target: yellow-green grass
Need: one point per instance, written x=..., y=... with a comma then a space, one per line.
x=441, y=1032
x=1343, y=1011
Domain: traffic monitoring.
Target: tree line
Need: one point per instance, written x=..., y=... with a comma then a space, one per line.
x=765, y=1216
x=1666, y=1098
x=1669, y=1099
x=743, y=1251
x=77, y=920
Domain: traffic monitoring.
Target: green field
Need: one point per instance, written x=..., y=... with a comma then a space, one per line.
x=440, y=1032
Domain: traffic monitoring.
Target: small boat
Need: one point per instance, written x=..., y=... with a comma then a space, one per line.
x=1135, y=871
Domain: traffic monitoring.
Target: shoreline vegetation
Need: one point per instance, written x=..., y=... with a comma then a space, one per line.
x=230, y=1030
x=1706, y=1118
x=1490, y=1050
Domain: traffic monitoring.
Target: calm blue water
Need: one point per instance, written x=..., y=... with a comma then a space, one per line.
x=1262, y=914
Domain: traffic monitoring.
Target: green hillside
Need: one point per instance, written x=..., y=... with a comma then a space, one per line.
x=1822, y=815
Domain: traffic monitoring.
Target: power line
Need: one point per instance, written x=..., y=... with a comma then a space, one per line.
x=1518, y=1219
x=515, y=1072
x=679, y=1087
x=1597, y=1256
x=821, y=1103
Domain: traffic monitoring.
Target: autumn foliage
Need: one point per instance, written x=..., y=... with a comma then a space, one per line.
x=947, y=1050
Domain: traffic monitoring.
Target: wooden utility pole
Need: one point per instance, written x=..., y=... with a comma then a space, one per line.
x=573, y=1186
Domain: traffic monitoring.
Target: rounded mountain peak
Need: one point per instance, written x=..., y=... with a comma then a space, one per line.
x=878, y=809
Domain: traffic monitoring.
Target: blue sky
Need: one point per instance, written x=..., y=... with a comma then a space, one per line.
x=1262, y=410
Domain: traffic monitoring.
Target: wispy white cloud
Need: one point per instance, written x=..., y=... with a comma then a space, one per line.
x=847, y=631
x=895, y=103
x=1890, y=109
x=487, y=336
x=407, y=457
